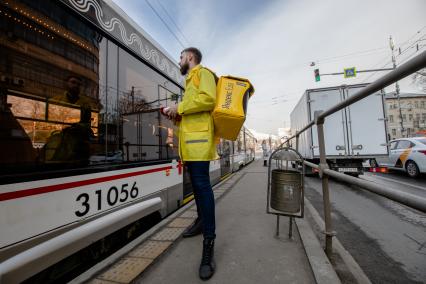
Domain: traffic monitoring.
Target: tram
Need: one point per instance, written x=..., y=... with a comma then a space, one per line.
x=81, y=134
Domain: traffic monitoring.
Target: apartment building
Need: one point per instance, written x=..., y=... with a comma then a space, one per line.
x=413, y=110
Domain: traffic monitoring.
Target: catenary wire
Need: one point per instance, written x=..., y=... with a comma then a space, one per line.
x=173, y=22
x=167, y=26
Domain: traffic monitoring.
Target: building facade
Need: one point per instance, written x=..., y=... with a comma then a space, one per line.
x=413, y=111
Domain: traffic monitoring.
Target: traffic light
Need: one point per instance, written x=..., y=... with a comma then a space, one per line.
x=317, y=75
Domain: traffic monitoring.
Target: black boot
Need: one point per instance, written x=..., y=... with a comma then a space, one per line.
x=194, y=230
x=207, y=266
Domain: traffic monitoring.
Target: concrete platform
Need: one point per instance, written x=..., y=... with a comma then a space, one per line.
x=246, y=250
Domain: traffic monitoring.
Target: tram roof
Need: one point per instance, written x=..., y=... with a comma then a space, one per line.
x=124, y=29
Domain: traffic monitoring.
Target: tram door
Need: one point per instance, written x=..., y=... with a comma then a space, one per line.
x=225, y=157
x=187, y=185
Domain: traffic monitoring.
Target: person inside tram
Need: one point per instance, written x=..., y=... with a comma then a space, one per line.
x=72, y=144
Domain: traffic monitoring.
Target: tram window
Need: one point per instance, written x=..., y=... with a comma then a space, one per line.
x=141, y=93
x=63, y=80
x=240, y=142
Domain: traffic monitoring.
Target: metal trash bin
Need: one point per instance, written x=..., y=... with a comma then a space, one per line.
x=285, y=192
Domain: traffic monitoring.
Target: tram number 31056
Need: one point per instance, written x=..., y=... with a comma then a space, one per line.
x=113, y=195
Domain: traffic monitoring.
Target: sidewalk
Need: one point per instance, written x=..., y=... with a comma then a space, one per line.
x=246, y=249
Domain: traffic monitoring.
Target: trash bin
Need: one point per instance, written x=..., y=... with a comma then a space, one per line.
x=285, y=191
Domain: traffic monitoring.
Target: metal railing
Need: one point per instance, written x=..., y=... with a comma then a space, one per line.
x=404, y=198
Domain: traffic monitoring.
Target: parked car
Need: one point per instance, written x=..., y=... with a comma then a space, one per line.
x=407, y=154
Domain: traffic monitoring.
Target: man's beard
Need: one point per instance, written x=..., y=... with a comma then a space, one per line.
x=184, y=69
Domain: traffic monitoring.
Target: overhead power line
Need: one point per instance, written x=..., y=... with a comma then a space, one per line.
x=401, y=53
x=374, y=50
x=167, y=26
x=419, y=31
x=174, y=23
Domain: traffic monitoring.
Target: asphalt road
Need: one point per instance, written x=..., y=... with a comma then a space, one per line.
x=387, y=239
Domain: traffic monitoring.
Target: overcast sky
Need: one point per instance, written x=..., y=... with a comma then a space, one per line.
x=272, y=43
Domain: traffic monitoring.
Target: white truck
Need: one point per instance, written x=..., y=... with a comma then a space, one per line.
x=352, y=135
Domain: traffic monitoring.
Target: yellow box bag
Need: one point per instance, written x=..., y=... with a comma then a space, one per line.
x=229, y=114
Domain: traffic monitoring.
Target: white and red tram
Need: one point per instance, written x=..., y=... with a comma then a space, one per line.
x=81, y=136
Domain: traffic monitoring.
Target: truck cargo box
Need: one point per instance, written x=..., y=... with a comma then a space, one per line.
x=356, y=132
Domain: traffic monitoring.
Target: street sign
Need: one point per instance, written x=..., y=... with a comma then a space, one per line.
x=349, y=72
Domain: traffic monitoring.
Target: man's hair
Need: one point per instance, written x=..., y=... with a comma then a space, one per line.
x=196, y=52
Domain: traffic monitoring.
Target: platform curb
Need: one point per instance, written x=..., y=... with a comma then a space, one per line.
x=353, y=267
x=322, y=268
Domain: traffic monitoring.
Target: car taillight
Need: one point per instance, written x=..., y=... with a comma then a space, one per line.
x=382, y=170
x=422, y=151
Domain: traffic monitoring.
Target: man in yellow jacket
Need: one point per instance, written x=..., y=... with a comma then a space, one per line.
x=197, y=147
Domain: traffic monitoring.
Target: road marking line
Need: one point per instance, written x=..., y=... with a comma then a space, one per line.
x=400, y=182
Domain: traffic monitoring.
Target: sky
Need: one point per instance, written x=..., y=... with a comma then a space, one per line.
x=273, y=43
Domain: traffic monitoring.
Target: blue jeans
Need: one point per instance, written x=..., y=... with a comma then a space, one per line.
x=204, y=198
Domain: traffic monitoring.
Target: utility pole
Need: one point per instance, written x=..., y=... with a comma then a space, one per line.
x=392, y=47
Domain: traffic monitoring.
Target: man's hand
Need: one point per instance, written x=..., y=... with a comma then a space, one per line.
x=172, y=111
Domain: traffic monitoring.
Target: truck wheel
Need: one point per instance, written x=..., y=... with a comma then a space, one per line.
x=412, y=169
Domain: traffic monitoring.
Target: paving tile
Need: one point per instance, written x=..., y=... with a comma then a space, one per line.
x=189, y=214
x=125, y=270
x=150, y=249
x=180, y=223
x=193, y=208
x=168, y=234
x=100, y=281
x=224, y=188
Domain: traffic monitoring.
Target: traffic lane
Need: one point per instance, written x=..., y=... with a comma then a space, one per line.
x=388, y=240
x=398, y=181
x=403, y=176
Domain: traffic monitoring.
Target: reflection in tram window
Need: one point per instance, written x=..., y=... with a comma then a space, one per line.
x=28, y=108
x=62, y=113
x=141, y=92
x=63, y=79
x=42, y=47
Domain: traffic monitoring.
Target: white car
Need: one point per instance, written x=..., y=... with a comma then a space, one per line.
x=407, y=154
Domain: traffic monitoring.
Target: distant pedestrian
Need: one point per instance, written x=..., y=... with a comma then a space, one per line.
x=197, y=148
x=265, y=151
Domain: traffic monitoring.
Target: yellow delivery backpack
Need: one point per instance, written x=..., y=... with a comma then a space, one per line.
x=229, y=114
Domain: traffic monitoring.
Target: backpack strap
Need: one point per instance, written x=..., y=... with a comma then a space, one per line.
x=197, y=77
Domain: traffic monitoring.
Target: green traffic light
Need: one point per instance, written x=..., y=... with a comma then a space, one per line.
x=317, y=75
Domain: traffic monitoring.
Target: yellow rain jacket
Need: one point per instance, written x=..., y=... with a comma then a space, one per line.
x=196, y=132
